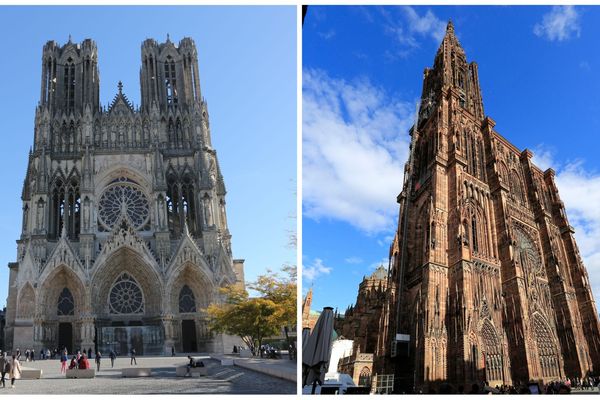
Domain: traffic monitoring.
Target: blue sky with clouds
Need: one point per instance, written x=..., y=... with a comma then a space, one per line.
x=362, y=77
x=247, y=62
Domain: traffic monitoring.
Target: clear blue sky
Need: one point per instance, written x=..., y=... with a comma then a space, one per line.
x=362, y=77
x=247, y=62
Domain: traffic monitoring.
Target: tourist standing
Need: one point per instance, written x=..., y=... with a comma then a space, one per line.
x=15, y=371
x=172, y=351
x=112, y=355
x=63, y=362
x=89, y=355
x=98, y=358
x=132, y=357
x=4, y=368
x=27, y=355
x=32, y=355
x=18, y=354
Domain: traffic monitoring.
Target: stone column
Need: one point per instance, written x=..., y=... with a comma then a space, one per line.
x=38, y=333
x=167, y=322
x=87, y=332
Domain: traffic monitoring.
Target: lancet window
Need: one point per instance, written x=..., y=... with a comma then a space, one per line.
x=187, y=300
x=65, y=208
x=66, y=303
x=181, y=203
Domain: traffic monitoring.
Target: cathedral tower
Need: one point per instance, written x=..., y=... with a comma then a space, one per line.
x=125, y=239
x=490, y=283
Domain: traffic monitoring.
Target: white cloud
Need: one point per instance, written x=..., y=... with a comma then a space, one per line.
x=374, y=265
x=355, y=144
x=579, y=189
x=316, y=269
x=354, y=260
x=561, y=23
x=543, y=157
x=426, y=25
x=408, y=28
x=327, y=35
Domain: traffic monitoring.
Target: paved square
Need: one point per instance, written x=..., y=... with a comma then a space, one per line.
x=219, y=380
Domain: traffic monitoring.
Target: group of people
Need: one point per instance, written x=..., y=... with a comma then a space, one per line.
x=10, y=368
x=563, y=386
x=81, y=360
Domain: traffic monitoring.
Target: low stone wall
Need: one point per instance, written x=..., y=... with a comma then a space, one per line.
x=81, y=373
x=30, y=373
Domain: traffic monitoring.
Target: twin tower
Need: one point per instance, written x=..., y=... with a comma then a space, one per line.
x=125, y=239
x=71, y=80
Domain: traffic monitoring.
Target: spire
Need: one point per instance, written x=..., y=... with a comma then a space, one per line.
x=450, y=27
x=120, y=87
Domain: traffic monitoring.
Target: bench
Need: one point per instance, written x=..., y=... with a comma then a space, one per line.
x=30, y=373
x=135, y=372
x=81, y=373
x=198, y=371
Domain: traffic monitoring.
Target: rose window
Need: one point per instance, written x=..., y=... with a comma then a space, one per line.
x=123, y=197
x=126, y=297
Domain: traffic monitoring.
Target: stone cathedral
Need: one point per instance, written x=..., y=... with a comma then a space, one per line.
x=486, y=282
x=124, y=240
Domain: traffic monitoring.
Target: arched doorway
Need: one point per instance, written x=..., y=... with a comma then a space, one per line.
x=188, y=336
x=65, y=337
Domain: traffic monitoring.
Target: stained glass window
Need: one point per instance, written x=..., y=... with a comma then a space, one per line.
x=126, y=296
x=187, y=301
x=123, y=197
x=66, y=304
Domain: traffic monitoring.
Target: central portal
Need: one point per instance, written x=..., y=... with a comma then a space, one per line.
x=146, y=340
x=188, y=336
x=65, y=336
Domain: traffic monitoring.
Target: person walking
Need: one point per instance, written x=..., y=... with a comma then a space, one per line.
x=98, y=359
x=172, y=351
x=112, y=355
x=4, y=368
x=32, y=355
x=133, y=360
x=15, y=371
x=63, y=362
x=18, y=354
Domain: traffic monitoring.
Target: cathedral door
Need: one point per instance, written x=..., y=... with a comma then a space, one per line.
x=65, y=336
x=188, y=336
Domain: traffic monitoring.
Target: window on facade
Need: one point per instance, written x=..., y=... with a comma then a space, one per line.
x=65, y=208
x=364, y=378
x=170, y=81
x=517, y=188
x=123, y=197
x=187, y=301
x=66, y=304
x=181, y=204
x=126, y=296
x=69, y=85
x=474, y=234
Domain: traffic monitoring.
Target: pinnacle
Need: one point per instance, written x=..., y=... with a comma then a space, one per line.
x=450, y=26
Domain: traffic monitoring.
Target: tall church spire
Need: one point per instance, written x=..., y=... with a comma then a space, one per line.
x=452, y=71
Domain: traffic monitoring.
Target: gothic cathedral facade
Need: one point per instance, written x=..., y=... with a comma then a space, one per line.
x=124, y=240
x=486, y=280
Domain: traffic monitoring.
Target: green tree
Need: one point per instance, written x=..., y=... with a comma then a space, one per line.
x=254, y=318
